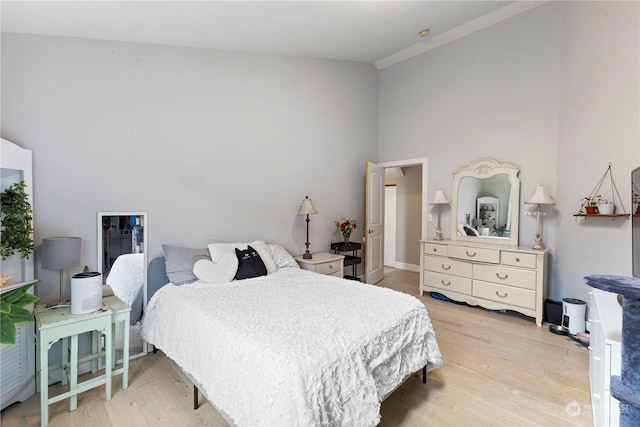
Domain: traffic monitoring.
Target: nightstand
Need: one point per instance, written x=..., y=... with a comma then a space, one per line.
x=322, y=263
x=54, y=324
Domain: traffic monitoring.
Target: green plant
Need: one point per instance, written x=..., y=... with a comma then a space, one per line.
x=12, y=311
x=16, y=218
x=589, y=201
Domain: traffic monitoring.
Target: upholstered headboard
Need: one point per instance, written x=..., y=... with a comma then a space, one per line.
x=157, y=277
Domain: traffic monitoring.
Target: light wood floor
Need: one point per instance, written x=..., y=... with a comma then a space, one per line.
x=499, y=370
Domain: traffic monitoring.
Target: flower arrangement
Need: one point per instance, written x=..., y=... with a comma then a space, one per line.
x=346, y=227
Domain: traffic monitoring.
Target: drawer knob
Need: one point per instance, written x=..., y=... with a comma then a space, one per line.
x=435, y=250
x=517, y=259
x=330, y=266
x=506, y=276
x=445, y=284
x=447, y=267
x=470, y=255
x=502, y=296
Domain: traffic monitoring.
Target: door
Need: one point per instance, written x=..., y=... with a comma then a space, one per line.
x=374, y=224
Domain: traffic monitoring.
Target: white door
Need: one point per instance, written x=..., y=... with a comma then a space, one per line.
x=374, y=224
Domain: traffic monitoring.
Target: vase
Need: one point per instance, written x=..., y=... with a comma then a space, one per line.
x=346, y=238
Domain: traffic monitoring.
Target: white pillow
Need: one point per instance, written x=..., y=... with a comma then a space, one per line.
x=222, y=271
x=220, y=250
x=281, y=257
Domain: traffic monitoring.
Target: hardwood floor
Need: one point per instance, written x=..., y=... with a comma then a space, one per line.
x=499, y=370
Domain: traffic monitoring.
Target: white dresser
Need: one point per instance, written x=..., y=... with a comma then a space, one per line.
x=605, y=316
x=492, y=276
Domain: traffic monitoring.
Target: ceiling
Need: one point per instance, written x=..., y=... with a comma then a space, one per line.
x=365, y=31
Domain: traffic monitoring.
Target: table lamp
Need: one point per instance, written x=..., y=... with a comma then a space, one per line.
x=60, y=253
x=307, y=208
x=539, y=197
x=438, y=201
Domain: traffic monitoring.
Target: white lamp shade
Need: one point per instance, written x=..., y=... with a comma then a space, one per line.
x=440, y=198
x=540, y=196
x=59, y=253
x=307, y=208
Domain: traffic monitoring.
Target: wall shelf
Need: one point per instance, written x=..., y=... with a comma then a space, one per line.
x=614, y=216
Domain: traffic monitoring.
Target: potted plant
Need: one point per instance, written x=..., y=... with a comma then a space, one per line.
x=17, y=230
x=13, y=310
x=589, y=205
x=15, y=237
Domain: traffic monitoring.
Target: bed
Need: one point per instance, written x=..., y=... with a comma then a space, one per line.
x=291, y=347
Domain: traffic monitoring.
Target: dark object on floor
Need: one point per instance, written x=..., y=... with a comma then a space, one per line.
x=439, y=296
x=553, y=311
x=558, y=329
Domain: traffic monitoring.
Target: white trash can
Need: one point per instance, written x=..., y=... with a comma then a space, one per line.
x=573, y=315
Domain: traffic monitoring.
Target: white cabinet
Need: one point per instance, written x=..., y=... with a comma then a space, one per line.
x=604, y=355
x=491, y=276
x=17, y=361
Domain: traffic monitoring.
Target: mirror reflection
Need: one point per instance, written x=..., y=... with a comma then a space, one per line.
x=485, y=203
x=122, y=261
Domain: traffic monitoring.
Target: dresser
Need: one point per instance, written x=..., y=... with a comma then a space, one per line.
x=323, y=263
x=605, y=317
x=491, y=276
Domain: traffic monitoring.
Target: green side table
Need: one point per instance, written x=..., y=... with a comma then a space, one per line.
x=54, y=324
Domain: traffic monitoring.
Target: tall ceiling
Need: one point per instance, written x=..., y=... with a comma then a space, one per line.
x=365, y=31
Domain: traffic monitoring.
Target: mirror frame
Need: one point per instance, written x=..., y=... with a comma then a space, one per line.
x=99, y=246
x=486, y=168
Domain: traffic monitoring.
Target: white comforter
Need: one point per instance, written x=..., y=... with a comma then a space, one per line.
x=293, y=348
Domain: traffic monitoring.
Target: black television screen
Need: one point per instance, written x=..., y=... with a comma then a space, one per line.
x=635, y=221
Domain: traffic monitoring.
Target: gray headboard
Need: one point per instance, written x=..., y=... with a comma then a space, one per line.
x=157, y=277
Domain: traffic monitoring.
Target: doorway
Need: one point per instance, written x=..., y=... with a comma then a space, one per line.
x=408, y=257
x=403, y=217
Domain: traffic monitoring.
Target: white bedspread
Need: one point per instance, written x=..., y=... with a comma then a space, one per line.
x=293, y=348
x=126, y=277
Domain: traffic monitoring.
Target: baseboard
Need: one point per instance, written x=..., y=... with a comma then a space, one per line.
x=403, y=266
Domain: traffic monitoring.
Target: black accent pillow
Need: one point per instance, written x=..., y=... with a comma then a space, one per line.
x=469, y=231
x=249, y=264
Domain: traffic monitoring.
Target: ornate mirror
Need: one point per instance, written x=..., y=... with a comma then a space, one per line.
x=485, y=203
x=122, y=260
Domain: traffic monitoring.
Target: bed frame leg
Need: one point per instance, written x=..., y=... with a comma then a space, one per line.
x=195, y=397
x=155, y=349
x=424, y=374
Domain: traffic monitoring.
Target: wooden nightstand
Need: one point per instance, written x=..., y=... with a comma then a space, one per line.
x=322, y=263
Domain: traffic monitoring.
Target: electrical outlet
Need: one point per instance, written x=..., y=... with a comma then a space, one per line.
x=429, y=218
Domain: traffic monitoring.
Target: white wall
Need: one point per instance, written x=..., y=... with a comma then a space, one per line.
x=552, y=90
x=215, y=146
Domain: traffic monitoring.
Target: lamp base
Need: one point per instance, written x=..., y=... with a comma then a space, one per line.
x=307, y=255
x=438, y=234
x=537, y=242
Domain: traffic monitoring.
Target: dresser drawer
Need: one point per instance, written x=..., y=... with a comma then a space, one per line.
x=517, y=259
x=475, y=254
x=336, y=274
x=435, y=249
x=329, y=267
x=447, y=266
x=447, y=282
x=505, y=275
x=505, y=294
